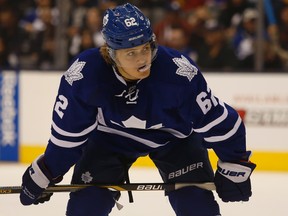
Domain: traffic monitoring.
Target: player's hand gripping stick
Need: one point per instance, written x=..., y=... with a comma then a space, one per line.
x=34, y=181
x=232, y=181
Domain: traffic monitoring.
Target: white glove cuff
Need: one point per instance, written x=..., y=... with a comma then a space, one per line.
x=37, y=175
x=235, y=172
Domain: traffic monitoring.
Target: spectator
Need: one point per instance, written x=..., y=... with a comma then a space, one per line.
x=77, y=15
x=178, y=39
x=244, y=39
x=39, y=23
x=244, y=43
x=86, y=40
x=32, y=45
x=155, y=10
x=215, y=53
x=283, y=36
x=93, y=22
x=92, y=25
x=46, y=40
x=196, y=20
x=31, y=20
x=173, y=16
x=230, y=16
x=11, y=36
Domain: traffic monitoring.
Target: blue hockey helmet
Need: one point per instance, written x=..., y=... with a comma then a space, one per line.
x=126, y=26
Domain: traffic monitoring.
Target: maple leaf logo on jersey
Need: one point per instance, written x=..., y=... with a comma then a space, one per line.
x=185, y=67
x=74, y=72
x=134, y=122
x=86, y=177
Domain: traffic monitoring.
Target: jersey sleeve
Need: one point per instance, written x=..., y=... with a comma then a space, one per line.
x=73, y=119
x=219, y=124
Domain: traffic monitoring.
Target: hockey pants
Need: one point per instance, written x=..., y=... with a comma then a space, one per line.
x=183, y=162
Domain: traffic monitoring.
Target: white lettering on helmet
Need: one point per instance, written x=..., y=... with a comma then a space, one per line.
x=134, y=38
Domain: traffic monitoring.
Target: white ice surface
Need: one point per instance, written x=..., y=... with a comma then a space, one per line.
x=270, y=192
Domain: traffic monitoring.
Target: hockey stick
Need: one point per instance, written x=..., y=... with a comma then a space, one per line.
x=118, y=187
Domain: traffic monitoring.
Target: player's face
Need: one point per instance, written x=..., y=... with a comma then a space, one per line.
x=134, y=63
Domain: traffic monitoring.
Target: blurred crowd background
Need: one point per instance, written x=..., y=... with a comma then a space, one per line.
x=219, y=35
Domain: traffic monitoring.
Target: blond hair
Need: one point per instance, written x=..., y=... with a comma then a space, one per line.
x=105, y=54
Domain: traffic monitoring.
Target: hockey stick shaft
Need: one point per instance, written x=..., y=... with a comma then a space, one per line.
x=118, y=187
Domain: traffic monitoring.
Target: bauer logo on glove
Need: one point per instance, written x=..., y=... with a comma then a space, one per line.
x=232, y=181
x=235, y=172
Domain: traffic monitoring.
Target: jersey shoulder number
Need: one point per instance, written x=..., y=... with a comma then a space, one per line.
x=61, y=105
x=206, y=100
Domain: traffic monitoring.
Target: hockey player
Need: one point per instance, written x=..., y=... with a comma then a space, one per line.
x=132, y=98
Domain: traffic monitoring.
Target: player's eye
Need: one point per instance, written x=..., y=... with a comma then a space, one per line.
x=146, y=48
x=132, y=53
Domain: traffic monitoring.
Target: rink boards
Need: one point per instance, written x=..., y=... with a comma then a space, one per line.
x=261, y=100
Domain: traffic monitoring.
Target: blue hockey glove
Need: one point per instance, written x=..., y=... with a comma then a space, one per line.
x=232, y=181
x=34, y=181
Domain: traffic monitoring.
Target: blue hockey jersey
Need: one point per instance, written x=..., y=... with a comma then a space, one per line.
x=173, y=102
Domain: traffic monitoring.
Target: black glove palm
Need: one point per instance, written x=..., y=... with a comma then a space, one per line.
x=44, y=197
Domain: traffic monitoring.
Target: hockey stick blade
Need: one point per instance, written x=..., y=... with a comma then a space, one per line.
x=118, y=187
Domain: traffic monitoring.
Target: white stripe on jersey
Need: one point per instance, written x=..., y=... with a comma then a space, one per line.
x=124, y=134
x=69, y=134
x=227, y=135
x=215, y=122
x=65, y=144
x=175, y=132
